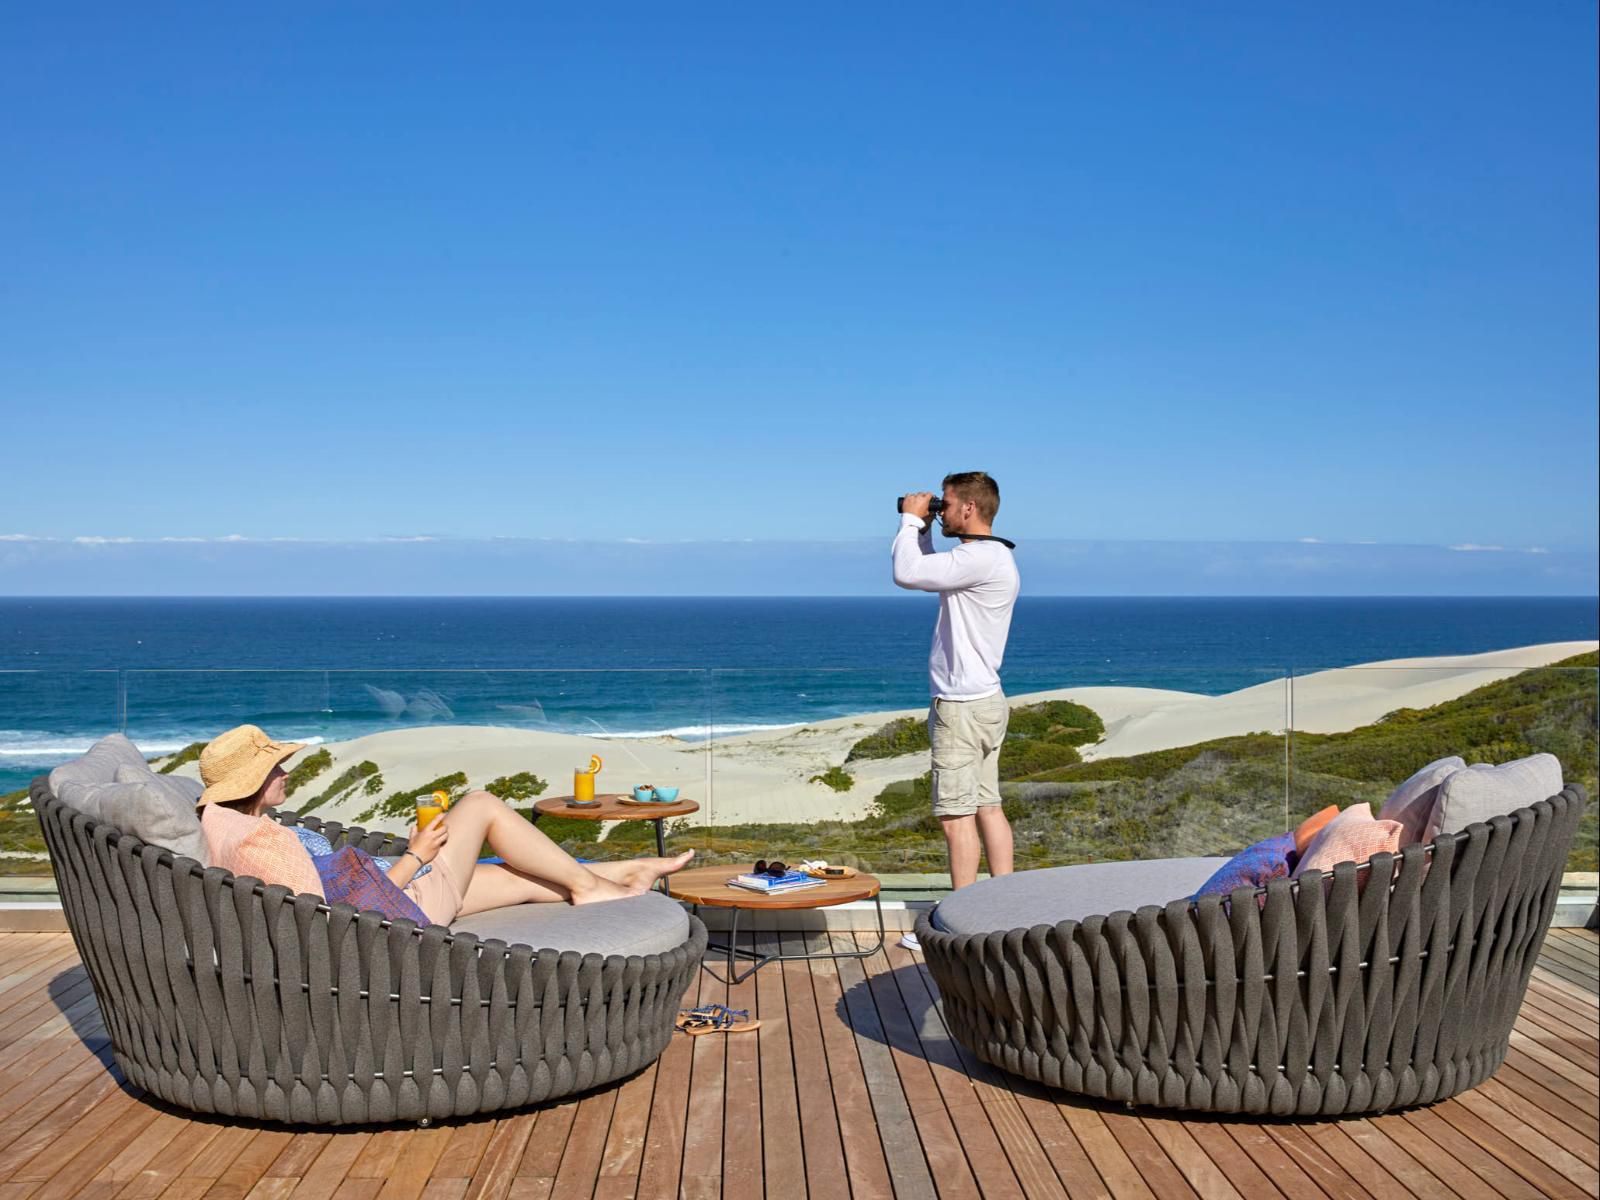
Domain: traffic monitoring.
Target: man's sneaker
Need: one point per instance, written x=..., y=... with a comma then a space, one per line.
x=909, y=941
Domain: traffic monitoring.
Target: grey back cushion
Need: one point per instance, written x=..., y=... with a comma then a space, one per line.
x=1412, y=803
x=158, y=809
x=1030, y=898
x=69, y=782
x=1483, y=791
x=647, y=924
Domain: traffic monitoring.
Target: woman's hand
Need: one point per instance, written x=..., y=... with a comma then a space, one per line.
x=426, y=843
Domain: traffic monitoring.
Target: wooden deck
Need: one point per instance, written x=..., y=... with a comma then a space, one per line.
x=851, y=1087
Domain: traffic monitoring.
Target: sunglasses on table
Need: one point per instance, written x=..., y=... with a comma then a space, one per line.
x=778, y=870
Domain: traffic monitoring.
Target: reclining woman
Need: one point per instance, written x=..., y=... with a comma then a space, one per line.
x=242, y=770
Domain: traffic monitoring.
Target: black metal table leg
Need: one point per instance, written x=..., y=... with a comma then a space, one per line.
x=734, y=951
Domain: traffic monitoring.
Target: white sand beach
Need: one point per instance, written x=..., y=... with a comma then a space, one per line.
x=765, y=777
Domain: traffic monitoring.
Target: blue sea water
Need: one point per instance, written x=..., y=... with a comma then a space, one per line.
x=172, y=671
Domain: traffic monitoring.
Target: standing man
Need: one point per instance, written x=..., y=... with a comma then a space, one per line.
x=977, y=584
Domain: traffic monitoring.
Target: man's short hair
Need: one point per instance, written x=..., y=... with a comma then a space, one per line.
x=977, y=488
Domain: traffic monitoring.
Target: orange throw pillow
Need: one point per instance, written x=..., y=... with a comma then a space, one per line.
x=1311, y=826
x=1355, y=835
x=258, y=846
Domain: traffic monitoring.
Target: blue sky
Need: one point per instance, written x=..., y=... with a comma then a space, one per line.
x=1249, y=275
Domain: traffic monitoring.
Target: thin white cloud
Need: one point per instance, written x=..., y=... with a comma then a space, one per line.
x=20, y=537
x=1536, y=550
x=1474, y=548
x=1310, y=541
x=93, y=540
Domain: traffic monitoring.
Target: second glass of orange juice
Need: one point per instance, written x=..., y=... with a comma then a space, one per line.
x=582, y=784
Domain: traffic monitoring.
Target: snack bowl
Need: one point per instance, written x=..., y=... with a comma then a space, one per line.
x=666, y=795
x=644, y=794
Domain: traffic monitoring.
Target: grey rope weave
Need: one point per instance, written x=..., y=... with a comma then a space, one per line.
x=1311, y=996
x=225, y=995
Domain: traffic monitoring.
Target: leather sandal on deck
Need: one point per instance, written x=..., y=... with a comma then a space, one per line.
x=715, y=1018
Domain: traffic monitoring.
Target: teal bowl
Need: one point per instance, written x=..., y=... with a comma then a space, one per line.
x=666, y=795
x=644, y=793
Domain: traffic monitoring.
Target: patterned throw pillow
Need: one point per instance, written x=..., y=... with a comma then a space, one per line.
x=1311, y=826
x=350, y=876
x=1252, y=867
x=1355, y=835
x=258, y=846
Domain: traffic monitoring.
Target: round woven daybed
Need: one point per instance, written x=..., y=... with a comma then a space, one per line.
x=225, y=995
x=1318, y=996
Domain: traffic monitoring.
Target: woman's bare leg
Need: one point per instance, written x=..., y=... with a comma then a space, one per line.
x=493, y=885
x=479, y=817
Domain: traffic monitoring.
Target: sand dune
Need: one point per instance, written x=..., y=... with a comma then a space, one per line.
x=765, y=776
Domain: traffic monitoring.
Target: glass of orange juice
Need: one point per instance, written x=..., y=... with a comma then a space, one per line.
x=582, y=784
x=431, y=809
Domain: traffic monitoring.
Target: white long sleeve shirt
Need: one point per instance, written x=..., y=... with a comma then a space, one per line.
x=977, y=584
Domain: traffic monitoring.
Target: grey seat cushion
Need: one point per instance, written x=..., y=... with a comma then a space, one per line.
x=647, y=924
x=1030, y=898
x=1483, y=791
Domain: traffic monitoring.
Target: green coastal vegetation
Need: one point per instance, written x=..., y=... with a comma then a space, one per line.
x=1210, y=798
x=835, y=777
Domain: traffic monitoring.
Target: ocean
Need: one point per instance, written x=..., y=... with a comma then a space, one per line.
x=173, y=671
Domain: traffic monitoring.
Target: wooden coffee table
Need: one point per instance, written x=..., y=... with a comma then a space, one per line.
x=612, y=808
x=708, y=887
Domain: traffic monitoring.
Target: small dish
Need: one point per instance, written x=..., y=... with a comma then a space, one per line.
x=666, y=795
x=644, y=795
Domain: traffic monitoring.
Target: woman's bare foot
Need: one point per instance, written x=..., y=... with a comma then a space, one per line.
x=600, y=889
x=639, y=875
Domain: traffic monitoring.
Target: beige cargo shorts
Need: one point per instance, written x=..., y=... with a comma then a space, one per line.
x=966, y=737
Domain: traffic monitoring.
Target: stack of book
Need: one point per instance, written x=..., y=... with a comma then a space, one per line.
x=772, y=885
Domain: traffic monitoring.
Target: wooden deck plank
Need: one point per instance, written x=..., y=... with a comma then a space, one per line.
x=743, y=1170
x=1286, y=1175
x=248, y=1166
x=661, y=1159
x=491, y=1179
x=818, y=1116
x=330, y=1167
x=1032, y=1161
x=1110, y=1161
x=1204, y=1176
x=783, y=1157
x=951, y=1118
x=579, y=1165
x=623, y=1153
x=918, y=1138
x=1228, y=1158
x=866, y=1162
x=1537, y=1141
x=701, y=1169
x=1526, y=1100
x=1146, y=1154
x=548, y=1140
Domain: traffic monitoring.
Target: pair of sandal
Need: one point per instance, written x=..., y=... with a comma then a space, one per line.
x=715, y=1018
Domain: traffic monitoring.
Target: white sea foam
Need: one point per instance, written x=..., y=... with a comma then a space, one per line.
x=691, y=731
x=45, y=745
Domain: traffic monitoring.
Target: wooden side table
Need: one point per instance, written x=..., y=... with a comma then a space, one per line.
x=612, y=808
x=708, y=887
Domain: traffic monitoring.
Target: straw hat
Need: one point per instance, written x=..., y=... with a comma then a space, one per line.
x=235, y=764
